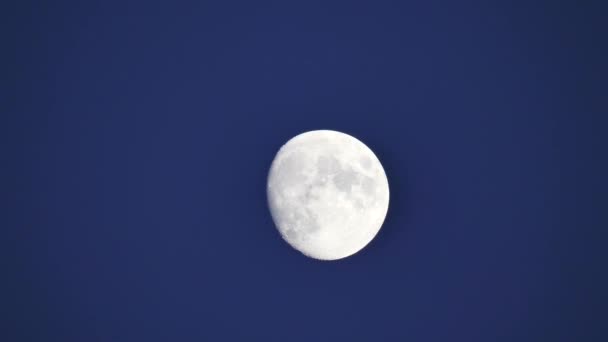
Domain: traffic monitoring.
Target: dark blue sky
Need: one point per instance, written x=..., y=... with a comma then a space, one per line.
x=137, y=138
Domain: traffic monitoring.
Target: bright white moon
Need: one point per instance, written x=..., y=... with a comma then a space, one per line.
x=328, y=194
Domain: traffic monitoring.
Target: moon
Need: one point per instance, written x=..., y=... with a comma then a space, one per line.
x=327, y=193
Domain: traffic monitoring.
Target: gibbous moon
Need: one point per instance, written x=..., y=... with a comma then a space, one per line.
x=328, y=194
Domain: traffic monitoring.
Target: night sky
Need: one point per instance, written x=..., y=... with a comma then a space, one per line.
x=136, y=139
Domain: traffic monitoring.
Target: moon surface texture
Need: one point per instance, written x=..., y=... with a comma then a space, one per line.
x=328, y=194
